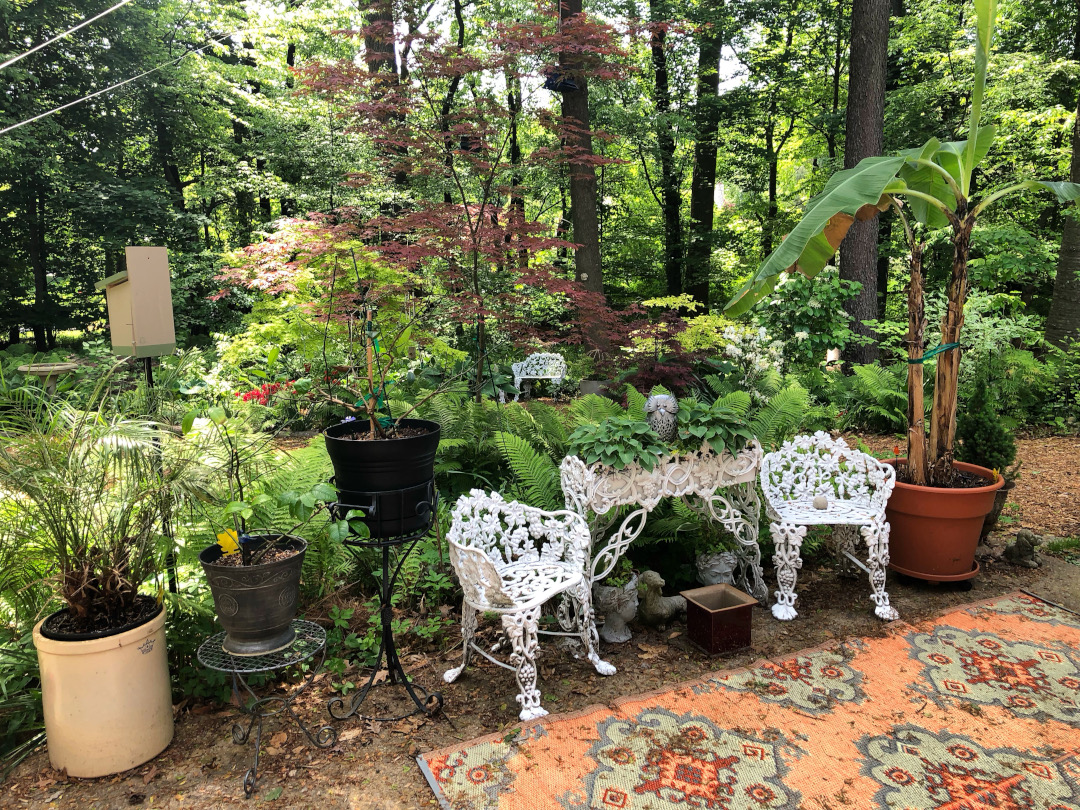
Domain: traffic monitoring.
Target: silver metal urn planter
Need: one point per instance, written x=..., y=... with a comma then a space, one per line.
x=256, y=603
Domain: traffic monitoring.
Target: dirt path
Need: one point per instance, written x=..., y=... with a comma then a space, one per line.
x=373, y=764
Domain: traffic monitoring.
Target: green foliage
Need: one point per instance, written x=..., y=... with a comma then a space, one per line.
x=809, y=317
x=536, y=475
x=874, y=397
x=22, y=727
x=721, y=429
x=617, y=442
x=983, y=439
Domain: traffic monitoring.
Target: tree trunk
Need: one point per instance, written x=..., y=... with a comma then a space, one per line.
x=864, y=134
x=884, y=236
x=1063, y=322
x=946, y=381
x=35, y=210
x=916, y=411
x=773, y=160
x=703, y=184
x=575, y=109
x=665, y=137
x=838, y=66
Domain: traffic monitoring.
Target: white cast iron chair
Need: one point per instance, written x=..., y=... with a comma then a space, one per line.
x=818, y=480
x=511, y=559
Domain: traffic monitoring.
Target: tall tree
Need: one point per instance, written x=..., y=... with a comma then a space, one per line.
x=670, y=198
x=865, y=123
x=575, y=110
x=703, y=182
x=1063, y=322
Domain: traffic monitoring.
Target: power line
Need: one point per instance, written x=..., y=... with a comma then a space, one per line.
x=84, y=23
x=97, y=93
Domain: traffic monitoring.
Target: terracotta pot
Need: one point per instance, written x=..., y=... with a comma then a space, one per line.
x=107, y=701
x=935, y=530
x=999, y=505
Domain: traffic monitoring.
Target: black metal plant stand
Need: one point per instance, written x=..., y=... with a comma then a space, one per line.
x=425, y=702
x=310, y=641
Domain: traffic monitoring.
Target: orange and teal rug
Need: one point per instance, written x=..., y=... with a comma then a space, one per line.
x=979, y=708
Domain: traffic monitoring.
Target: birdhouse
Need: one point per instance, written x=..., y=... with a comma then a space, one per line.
x=140, y=304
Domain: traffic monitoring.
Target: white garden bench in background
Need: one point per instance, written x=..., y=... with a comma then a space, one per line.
x=817, y=480
x=537, y=366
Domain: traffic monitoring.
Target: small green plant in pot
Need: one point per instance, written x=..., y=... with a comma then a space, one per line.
x=622, y=442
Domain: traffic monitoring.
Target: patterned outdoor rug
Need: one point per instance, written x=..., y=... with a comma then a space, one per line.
x=979, y=708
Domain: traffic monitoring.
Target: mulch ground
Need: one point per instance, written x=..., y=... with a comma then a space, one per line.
x=373, y=764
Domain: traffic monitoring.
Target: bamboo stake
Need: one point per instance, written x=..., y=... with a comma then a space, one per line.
x=369, y=343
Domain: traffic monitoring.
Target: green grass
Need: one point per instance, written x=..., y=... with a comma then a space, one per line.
x=1067, y=548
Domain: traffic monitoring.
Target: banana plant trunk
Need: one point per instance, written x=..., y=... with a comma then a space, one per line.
x=943, y=416
x=916, y=455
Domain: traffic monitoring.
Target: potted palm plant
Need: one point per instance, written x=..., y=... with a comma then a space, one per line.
x=938, y=506
x=93, y=491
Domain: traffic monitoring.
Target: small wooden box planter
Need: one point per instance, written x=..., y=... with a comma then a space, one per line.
x=718, y=618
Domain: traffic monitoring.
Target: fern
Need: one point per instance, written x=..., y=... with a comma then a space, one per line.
x=736, y=402
x=537, y=474
x=550, y=429
x=781, y=417
x=593, y=409
x=635, y=400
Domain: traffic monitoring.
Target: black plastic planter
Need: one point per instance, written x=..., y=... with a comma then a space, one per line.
x=256, y=603
x=388, y=479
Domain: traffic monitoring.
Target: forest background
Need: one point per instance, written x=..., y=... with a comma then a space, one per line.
x=476, y=143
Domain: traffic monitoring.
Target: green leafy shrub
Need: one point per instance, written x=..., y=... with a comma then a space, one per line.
x=618, y=442
x=984, y=440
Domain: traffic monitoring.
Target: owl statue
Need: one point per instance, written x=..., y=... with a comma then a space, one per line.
x=660, y=413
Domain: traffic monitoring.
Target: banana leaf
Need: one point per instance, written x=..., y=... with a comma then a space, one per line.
x=856, y=193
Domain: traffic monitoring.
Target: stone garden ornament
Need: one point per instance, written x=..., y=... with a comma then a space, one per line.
x=817, y=480
x=661, y=412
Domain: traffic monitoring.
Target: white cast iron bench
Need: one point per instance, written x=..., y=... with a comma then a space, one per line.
x=538, y=366
x=817, y=480
x=511, y=559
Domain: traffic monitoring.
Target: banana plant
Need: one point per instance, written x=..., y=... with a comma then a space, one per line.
x=933, y=184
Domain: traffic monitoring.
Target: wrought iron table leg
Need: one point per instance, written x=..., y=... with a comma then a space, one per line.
x=426, y=702
x=259, y=709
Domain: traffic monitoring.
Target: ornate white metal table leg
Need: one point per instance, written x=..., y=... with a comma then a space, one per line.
x=587, y=622
x=745, y=499
x=738, y=508
x=521, y=629
x=877, y=544
x=787, y=537
x=468, y=628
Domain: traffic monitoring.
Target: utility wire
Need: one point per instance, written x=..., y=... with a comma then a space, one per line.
x=84, y=23
x=215, y=41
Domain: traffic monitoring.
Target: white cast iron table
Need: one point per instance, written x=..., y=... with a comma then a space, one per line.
x=721, y=487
